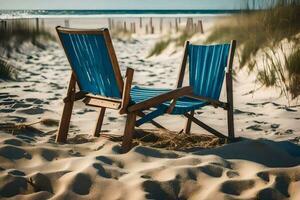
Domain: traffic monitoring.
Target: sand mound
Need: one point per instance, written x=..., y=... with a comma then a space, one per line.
x=247, y=169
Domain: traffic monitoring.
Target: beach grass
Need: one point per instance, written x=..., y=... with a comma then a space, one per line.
x=257, y=29
x=7, y=71
x=159, y=47
x=178, y=40
x=264, y=30
x=293, y=66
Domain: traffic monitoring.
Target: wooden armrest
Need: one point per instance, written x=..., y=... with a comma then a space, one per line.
x=154, y=101
x=213, y=102
x=126, y=90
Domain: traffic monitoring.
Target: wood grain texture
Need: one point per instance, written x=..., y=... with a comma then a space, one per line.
x=64, y=124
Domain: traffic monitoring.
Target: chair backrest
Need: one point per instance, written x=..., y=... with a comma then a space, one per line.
x=207, y=68
x=89, y=54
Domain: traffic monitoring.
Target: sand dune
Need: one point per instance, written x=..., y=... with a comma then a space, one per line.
x=96, y=170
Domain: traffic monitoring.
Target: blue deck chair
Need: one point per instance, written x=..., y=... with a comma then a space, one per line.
x=96, y=71
x=208, y=65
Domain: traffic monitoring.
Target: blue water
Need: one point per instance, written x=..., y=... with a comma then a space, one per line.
x=105, y=13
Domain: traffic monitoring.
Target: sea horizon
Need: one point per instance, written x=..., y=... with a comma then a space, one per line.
x=73, y=13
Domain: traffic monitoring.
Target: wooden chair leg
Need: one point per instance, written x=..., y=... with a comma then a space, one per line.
x=99, y=122
x=64, y=124
x=188, y=124
x=230, y=121
x=128, y=133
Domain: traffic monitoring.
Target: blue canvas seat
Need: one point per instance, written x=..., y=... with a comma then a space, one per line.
x=183, y=104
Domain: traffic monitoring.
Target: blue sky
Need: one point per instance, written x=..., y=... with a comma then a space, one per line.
x=121, y=4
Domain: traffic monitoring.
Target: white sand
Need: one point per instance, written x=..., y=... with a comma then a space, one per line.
x=34, y=167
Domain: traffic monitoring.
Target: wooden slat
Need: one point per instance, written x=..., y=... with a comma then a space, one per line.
x=174, y=94
x=64, y=124
x=183, y=65
x=103, y=98
x=126, y=90
x=102, y=103
x=205, y=126
x=229, y=91
x=114, y=61
x=188, y=124
x=79, y=31
x=128, y=132
x=99, y=122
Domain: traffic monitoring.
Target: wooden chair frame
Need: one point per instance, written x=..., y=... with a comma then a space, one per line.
x=228, y=106
x=121, y=104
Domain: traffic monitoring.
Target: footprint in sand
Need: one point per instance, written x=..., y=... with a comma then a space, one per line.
x=16, y=172
x=161, y=190
x=256, y=127
x=21, y=105
x=33, y=111
x=6, y=110
x=14, y=153
x=41, y=182
x=9, y=101
x=287, y=132
x=237, y=111
x=112, y=119
x=14, y=142
x=14, y=187
x=236, y=187
x=232, y=174
x=270, y=193
x=101, y=171
x=212, y=170
x=49, y=154
x=34, y=100
x=81, y=184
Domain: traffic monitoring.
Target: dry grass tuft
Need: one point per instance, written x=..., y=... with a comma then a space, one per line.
x=50, y=122
x=7, y=71
x=178, y=141
x=169, y=140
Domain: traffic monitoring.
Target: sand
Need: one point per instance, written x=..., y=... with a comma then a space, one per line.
x=264, y=165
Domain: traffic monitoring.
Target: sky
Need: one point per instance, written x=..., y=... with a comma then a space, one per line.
x=120, y=4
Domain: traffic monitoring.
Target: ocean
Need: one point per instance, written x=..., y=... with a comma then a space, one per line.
x=9, y=14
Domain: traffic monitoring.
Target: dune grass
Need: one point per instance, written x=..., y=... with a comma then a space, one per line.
x=264, y=30
x=7, y=71
x=293, y=66
x=257, y=29
x=162, y=44
x=159, y=47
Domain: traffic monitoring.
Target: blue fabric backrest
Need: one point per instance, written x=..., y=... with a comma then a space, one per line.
x=207, y=68
x=89, y=58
